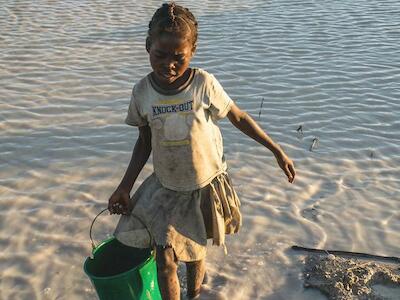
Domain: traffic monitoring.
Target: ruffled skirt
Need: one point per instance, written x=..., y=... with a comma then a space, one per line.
x=181, y=220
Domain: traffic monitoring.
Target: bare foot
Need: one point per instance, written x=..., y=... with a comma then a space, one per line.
x=208, y=293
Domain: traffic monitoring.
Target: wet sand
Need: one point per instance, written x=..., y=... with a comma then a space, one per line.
x=347, y=279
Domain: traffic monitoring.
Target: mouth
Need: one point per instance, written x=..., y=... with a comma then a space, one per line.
x=167, y=74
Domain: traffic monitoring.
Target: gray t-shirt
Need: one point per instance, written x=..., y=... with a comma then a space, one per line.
x=186, y=141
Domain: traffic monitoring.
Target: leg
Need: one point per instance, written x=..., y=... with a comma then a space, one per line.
x=195, y=275
x=167, y=273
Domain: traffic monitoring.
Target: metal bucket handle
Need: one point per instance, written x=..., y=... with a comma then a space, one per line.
x=91, y=227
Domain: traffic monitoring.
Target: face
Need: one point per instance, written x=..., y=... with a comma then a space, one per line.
x=170, y=57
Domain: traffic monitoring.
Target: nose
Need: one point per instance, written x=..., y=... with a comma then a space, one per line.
x=171, y=64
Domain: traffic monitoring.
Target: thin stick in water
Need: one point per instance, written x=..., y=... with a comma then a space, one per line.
x=259, y=114
x=300, y=129
x=347, y=253
x=315, y=144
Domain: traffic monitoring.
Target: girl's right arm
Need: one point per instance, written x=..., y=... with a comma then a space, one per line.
x=119, y=200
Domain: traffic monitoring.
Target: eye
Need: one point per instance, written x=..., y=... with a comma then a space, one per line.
x=158, y=55
x=180, y=58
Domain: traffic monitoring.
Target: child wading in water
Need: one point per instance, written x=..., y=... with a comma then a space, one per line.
x=189, y=198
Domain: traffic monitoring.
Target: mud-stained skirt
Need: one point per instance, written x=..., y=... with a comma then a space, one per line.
x=181, y=220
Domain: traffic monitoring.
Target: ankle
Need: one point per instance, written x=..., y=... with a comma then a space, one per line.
x=192, y=295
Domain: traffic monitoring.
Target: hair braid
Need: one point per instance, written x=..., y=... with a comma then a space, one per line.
x=175, y=19
x=171, y=12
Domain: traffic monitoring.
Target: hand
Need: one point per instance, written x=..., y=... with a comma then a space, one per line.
x=119, y=202
x=286, y=165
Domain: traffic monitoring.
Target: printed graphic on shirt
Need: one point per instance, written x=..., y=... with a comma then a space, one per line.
x=170, y=106
x=174, y=119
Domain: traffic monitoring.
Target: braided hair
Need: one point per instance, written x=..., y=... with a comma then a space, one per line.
x=174, y=19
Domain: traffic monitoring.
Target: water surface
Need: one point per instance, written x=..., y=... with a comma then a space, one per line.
x=67, y=70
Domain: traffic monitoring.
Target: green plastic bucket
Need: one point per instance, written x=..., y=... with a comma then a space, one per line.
x=120, y=272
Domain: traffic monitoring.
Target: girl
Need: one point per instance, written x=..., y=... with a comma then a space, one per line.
x=189, y=197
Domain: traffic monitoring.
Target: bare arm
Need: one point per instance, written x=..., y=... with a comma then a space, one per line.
x=119, y=200
x=140, y=155
x=248, y=126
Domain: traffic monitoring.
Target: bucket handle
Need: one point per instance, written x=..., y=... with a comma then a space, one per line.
x=104, y=210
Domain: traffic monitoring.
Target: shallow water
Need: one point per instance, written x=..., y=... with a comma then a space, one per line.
x=67, y=69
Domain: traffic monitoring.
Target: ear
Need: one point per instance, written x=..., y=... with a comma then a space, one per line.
x=194, y=49
x=148, y=44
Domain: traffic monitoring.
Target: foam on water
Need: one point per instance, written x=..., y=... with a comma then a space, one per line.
x=67, y=69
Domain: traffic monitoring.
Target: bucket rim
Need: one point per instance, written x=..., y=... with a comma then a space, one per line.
x=91, y=276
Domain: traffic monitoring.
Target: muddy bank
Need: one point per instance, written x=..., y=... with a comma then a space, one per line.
x=348, y=279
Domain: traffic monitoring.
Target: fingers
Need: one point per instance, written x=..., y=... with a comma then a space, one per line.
x=117, y=208
x=292, y=171
x=114, y=206
x=289, y=171
x=111, y=203
x=288, y=174
x=119, y=204
x=125, y=204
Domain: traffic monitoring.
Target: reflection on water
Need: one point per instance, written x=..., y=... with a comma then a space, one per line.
x=67, y=69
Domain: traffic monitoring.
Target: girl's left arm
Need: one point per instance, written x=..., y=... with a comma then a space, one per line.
x=248, y=126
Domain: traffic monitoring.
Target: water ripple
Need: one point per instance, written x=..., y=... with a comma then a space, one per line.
x=67, y=70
